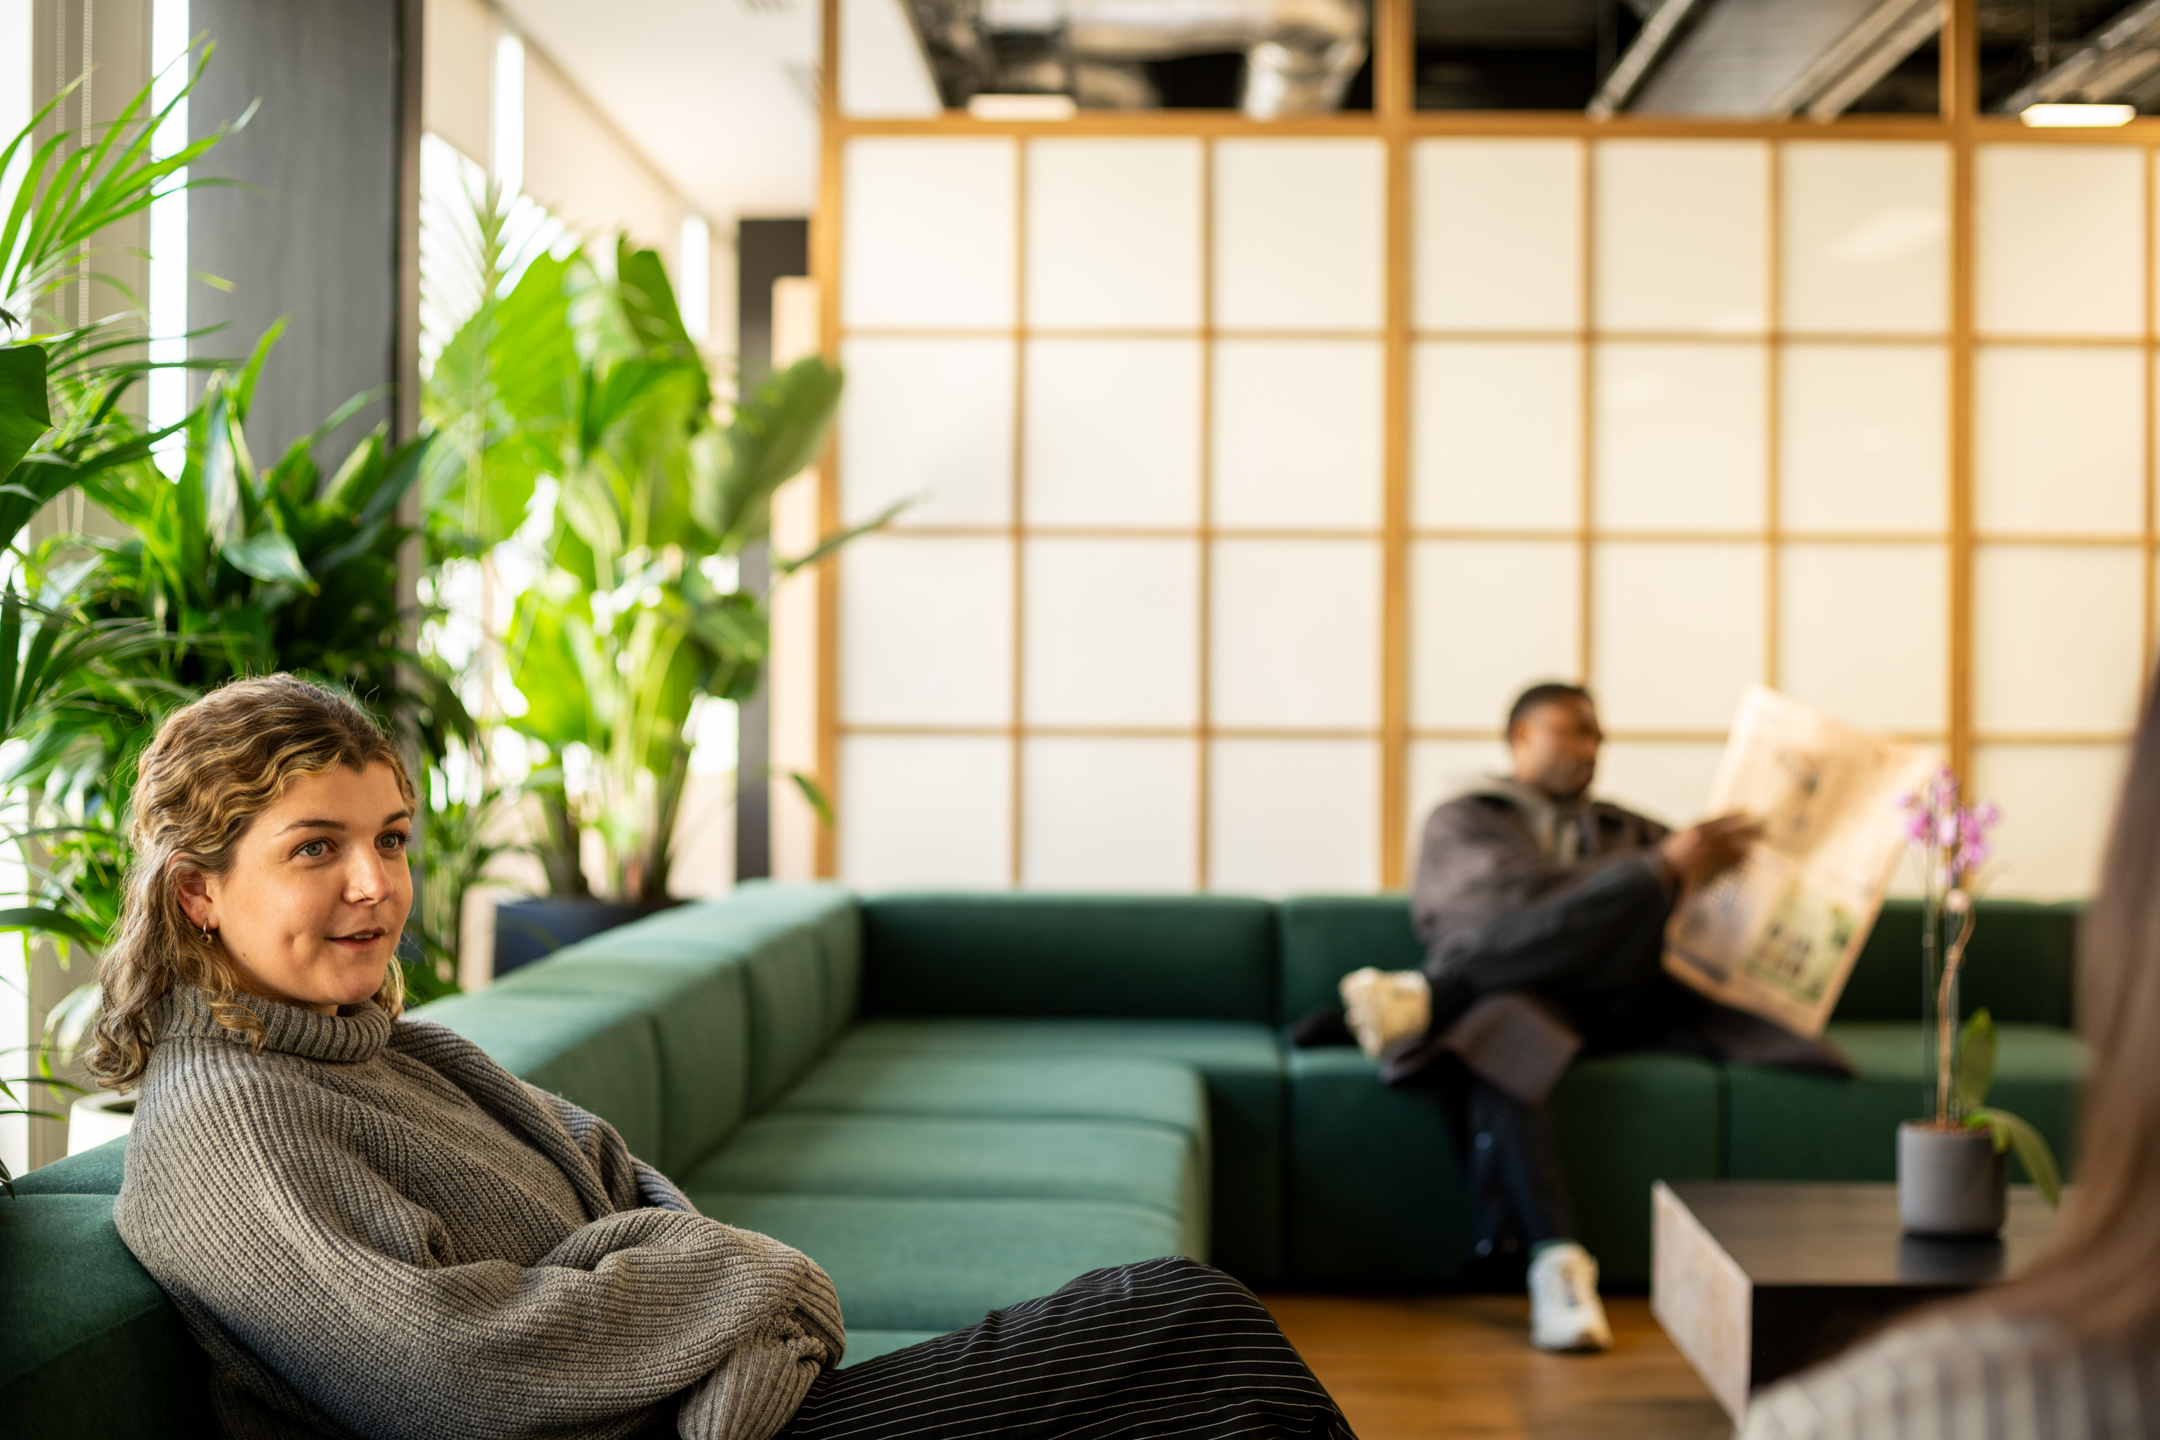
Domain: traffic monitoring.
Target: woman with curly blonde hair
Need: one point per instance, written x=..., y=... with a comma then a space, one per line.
x=375, y=1230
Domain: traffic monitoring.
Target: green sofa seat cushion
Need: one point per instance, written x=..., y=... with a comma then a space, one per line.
x=1159, y=956
x=2021, y=965
x=96, y=1171
x=939, y=1265
x=1048, y=1087
x=1376, y=1194
x=941, y=1157
x=596, y=1050
x=93, y=1346
x=700, y=1013
x=1241, y=1063
x=870, y=1344
x=1785, y=1126
x=1325, y=937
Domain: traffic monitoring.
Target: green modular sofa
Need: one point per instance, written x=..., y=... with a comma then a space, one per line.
x=956, y=1101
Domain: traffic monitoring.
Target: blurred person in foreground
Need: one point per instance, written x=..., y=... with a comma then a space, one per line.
x=373, y=1229
x=1542, y=911
x=2071, y=1350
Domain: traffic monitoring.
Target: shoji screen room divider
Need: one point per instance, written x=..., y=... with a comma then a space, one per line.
x=1253, y=473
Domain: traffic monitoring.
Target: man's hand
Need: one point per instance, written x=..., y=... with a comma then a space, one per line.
x=1700, y=852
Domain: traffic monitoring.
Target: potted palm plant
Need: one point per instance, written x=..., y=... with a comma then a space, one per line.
x=584, y=449
x=1953, y=1167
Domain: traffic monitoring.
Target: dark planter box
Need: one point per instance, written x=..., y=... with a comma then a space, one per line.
x=525, y=930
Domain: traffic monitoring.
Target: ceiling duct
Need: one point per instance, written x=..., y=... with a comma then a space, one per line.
x=1767, y=58
x=1300, y=55
x=2118, y=62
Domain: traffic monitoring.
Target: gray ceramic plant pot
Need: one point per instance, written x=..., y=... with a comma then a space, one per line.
x=1950, y=1183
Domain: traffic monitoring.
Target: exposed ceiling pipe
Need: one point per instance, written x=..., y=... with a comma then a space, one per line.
x=1921, y=25
x=1300, y=55
x=2098, y=70
x=1872, y=48
x=1651, y=43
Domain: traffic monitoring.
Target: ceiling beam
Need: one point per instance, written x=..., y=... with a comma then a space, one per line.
x=2088, y=73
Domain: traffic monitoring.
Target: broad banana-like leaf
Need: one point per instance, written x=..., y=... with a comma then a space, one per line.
x=777, y=429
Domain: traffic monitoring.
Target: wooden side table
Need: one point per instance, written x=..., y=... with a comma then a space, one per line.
x=1755, y=1281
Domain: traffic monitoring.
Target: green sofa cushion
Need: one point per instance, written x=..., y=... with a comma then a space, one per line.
x=1375, y=1193
x=2022, y=964
x=700, y=1014
x=755, y=912
x=96, y=1171
x=939, y=1157
x=598, y=1051
x=938, y=1265
x=1059, y=1087
x=1241, y=1063
x=1784, y=1126
x=1173, y=957
x=93, y=1346
x=1325, y=937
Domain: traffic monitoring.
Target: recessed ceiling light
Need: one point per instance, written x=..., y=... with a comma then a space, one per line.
x=1022, y=107
x=2056, y=116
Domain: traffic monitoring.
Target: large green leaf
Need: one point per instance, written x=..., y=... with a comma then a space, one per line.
x=25, y=411
x=777, y=430
x=268, y=555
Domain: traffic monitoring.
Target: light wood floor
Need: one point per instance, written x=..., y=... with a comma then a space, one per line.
x=1425, y=1367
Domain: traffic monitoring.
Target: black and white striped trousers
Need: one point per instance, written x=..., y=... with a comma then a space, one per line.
x=1164, y=1348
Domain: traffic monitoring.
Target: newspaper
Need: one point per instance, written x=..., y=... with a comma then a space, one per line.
x=1778, y=933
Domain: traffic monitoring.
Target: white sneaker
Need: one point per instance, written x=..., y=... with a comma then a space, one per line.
x=1565, y=1312
x=1382, y=1006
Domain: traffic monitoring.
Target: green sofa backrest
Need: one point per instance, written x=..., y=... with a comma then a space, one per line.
x=94, y=1347
x=740, y=996
x=1325, y=937
x=2021, y=964
x=1155, y=957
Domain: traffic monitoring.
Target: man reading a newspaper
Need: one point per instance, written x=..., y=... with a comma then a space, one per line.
x=1543, y=915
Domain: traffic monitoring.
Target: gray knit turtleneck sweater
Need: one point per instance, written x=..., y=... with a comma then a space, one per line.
x=375, y=1230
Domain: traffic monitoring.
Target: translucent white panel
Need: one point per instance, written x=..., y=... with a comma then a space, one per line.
x=1867, y=237
x=2059, y=239
x=1496, y=435
x=1113, y=232
x=1298, y=233
x=1110, y=814
x=929, y=236
x=2057, y=803
x=1864, y=632
x=2056, y=634
x=1666, y=780
x=1863, y=437
x=1297, y=434
x=1677, y=633
x=925, y=810
x=1297, y=633
x=1113, y=632
x=926, y=631
x=1680, y=437
x=1682, y=234
x=1439, y=771
x=1488, y=618
x=1113, y=432
x=2059, y=440
x=882, y=69
x=1294, y=815
x=1497, y=234
x=928, y=421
